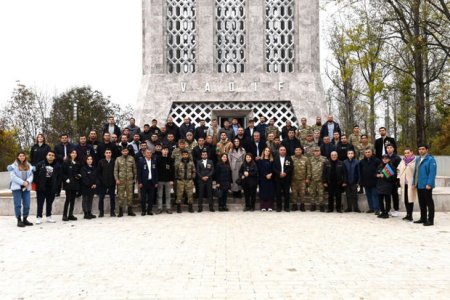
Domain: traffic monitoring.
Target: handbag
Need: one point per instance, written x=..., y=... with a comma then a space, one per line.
x=217, y=192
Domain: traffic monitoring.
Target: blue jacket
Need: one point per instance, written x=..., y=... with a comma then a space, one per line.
x=16, y=177
x=427, y=172
x=352, y=169
x=142, y=171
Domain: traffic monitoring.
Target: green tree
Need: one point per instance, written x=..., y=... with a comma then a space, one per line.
x=8, y=148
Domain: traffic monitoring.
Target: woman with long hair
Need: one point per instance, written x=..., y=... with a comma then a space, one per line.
x=248, y=173
x=39, y=150
x=71, y=180
x=405, y=171
x=266, y=182
x=88, y=186
x=223, y=180
x=236, y=158
x=21, y=174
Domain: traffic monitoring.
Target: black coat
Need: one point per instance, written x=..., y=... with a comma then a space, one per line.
x=288, y=168
x=38, y=153
x=200, y=132
x=40, y=176
x=252, y=179
x=102, y=147
x=379, y=146
x=59, y=151
x=326, y=149
x=291, y=145
x=173, y=128
x=342, y=149
x=88, y=179
x=324, y=130
x=339, y=177
x=223, y=176
x=385, y=186
x=202, y=171
x=71, y=172
x=165, y=169
x=116, y=129
x=105, y=174
x=368, y=172
x=251, y=147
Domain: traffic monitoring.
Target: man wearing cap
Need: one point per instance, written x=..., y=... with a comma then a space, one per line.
x=185, y=174
x=125, y=176
x=316, y=188
x=300, y=179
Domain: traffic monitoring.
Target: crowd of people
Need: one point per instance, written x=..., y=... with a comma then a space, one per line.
x=292, y=168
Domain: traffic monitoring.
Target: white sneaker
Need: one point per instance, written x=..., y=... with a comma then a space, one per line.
x=50, y=220
x=269, y=209
x=263, y=209
x=395, y=213
x=38, y=221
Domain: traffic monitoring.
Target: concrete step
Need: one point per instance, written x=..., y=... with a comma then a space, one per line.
x=441, y=196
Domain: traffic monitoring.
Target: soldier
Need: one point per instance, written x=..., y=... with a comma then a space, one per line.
x=355, y=136
x=318, y=125
x=302, y=131
x=309, y=144
x=176, y=153
x=302, y=176
x=363, y=146
x=316, y=184
x=125, y=176
x=224, y=145
x=272, y=128
x=185, y=174
x=190, y=142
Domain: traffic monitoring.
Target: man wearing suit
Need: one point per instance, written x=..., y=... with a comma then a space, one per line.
x=282, y=169
x=250, y=130
x=329, y=128
x=382, y=142
x=205, y=171
x=291, y=143
x=62, y=151
x=147, y=178
x=256, y=146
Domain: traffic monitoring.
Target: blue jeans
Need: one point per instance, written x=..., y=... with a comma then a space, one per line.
x=372, y=198
x=20, y=197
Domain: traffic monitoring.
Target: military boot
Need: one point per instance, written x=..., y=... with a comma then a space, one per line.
x=294, y=207
x=19, y=222
x=302, y=207
x=26, y=222
x=130, y=212
x=313, y=207
x=179, y=208
x=191, y=208
x=322, y=208
x=120, y=212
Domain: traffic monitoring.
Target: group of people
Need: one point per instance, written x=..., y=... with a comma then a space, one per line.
x=287, y=166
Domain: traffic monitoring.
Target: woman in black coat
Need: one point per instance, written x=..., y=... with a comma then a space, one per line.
x=248, y=173
x=39, y=150
x=71, y=180
x=223, y=180
x=88, y=186
x=386, y=179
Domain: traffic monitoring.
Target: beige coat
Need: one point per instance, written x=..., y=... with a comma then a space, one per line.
x=406, y=174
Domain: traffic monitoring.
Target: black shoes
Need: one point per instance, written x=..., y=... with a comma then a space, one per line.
x=420, y=221
x=120, y=212
x=357, y=210
x=294, y=207
x=130, y=212
x=370, y=211
x=407, y=218
x=428, y=223
x=200, y=209
x=339, y=211
x=26, y=222
x=179, y=208
x=169, y=211
x=72, y=218
x=383, y=216
x=211, y=209
x=65, y=218
x=113, y=214
x=19, y=222
x=143, y=213
x=101, y=215
x=313, y=207
x=149, y=212
x=87, y=216
x=322, y=208
x=225, y=208
x=348, y=210
x=302, y=207
x=191, y=208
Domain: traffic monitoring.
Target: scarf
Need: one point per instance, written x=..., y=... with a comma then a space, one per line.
x=408, y=160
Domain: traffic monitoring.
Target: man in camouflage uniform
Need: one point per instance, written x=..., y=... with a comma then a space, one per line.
x=309, y=144
x=316, y=185
x=272, y=129
x=363, y=145
x=125, y=176
x=318, y=125
x=190, y=142
x=355, y=137
x=176, y=153
x=223, y=146
x=185, y=174
x=300, y=178
x=302, y=131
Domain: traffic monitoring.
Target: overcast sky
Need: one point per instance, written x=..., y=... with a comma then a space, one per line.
x=56, y=44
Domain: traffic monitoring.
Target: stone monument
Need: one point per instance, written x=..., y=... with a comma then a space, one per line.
x=230, y=58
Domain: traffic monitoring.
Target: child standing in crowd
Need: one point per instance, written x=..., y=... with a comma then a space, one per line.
x=223, y=180
x=248, y=173
x=88, y=186
x=21, y=174
x=266, y=183
x=71, y=180
x=385, y=184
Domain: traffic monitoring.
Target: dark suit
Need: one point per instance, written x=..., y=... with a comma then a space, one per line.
x=379, y=144
x=253, y=149
x=203, y=171
x=283, y=184
x=148, y=185
x=291, y=145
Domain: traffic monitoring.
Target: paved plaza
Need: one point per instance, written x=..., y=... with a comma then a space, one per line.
x=232, y=255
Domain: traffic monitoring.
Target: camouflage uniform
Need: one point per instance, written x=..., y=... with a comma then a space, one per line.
x=308, y=148
x=302, y=132
x=354, y=139
x=302, y=172
x=176, y=155
x=222, y=147
x=316, y=127
x=185, y=174
x=361, y=148
x=316, y=185
x=125, y=171
x=274, y=130
x=190, y=146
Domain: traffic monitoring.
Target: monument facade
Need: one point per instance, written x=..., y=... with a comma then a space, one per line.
x=230, y=58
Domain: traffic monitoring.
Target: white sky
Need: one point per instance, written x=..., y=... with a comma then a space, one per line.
x=57, y=44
